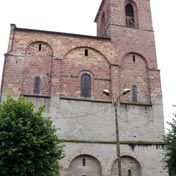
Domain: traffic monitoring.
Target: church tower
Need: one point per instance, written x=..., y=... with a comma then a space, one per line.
x=128, y=24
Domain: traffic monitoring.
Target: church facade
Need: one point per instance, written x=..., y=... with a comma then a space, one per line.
x=68, y=73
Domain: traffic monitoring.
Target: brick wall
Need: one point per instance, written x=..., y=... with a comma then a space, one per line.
x=59, y=62
x=60, y=65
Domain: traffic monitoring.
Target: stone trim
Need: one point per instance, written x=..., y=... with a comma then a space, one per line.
x=102, y=101
x=131, y=143
x=37, y=96
x=140, y=29
x=84, y=99
x=136, y=103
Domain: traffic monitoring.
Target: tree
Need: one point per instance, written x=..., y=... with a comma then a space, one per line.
x=170, y=149
x=28, y=143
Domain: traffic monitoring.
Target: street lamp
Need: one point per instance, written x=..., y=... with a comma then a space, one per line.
x=116, y=103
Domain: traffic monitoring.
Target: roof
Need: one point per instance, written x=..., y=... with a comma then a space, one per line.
x=99, y=10
x=14, y=27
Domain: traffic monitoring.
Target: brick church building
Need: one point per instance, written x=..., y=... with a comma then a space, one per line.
x=68, y=73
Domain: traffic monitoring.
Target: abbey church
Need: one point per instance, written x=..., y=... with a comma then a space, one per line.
x=68, y=73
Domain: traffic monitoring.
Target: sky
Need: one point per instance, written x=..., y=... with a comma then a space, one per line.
x=77, y=16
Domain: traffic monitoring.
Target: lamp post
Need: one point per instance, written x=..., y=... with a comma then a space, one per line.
x=116, y=103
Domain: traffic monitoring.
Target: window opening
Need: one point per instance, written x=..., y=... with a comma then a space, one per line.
x=84, y=162
x=85, y=85
x=134, y=93
x=40, y=47
x=86, y=52
x=134, y=58
x=129, y=12
x=36, y=85
x=129, y=172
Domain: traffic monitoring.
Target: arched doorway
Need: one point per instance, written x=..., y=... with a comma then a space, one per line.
x=129, y=165
x=85, y=165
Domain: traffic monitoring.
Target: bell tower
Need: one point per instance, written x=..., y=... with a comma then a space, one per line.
x=117, y=14
x=128, y=24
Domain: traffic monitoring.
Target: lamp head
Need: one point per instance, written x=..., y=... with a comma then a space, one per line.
x=125, y=91
x=106, y=92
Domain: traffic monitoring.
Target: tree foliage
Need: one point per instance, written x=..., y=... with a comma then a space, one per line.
x=170, y=148
x=28, y=143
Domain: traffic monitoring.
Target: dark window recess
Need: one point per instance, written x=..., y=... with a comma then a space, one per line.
x=129, y=12
x=85, y=85
x=134, y=93
x=129, y=172
x=40, y=47
x=86, y=52
x=84, y=162
x=37, y=85
x=134, y=58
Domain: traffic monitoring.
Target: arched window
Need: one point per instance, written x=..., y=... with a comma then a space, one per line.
x=36, y=85
x=134, y=93
x=129, y=12
x=129, y=172
x=85, y=85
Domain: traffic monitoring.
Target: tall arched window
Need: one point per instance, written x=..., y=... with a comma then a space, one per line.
x=85, y=85
x=129, y=12
x=36, y=85
x=134, y=93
